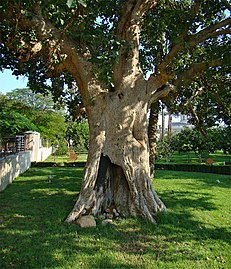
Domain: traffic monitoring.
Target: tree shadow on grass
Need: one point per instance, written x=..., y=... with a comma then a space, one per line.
x=33, y=231
x=32, y=214
x=173, y=239
x=33, y=234
x=179, y=234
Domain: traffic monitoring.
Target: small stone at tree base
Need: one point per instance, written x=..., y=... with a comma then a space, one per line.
x=86, y=221
x=107, y=221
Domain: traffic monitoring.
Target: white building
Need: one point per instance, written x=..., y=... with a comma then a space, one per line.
x=178, y=124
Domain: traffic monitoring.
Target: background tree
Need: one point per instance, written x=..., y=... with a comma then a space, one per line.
x=105, y=47
x=164, y=149
x=19, y=114
x=208, y=100
x=51, y=124
x=77, y=134
x=12, y=121
x=193, y=140
x=30, y=99
x=223, y=142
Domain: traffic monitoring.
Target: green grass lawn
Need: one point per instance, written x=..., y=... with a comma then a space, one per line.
x=195, y=233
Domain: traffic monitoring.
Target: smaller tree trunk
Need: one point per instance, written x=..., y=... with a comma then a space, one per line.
x=152, y=135
x=170, y=125
x=163, y=123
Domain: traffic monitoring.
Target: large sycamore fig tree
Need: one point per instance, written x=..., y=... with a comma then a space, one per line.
x=106, y=48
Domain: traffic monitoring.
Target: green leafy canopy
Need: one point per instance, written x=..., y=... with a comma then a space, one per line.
x=91, y=25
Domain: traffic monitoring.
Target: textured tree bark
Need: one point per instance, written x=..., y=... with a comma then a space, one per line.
x=117, y=174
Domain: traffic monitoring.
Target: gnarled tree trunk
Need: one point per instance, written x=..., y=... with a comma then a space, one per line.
x=117, y=174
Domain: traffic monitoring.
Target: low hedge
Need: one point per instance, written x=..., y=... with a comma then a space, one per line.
x=54, y=164
x=203, y=168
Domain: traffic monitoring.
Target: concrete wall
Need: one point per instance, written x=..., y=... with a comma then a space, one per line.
x=12, y=166
x=43, y=153
x=33, y=143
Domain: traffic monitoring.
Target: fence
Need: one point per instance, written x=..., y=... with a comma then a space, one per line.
x=11, y=145
x=17, y=154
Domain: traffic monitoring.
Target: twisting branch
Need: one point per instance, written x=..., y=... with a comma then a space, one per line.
x=128, y=29
x=215, y=30
x=194, y=115
x=162, y=92
x=227, y=5
x=50, y=42
x=175, y=48
x=210, y=31
x=131, y=13
x=197, y=121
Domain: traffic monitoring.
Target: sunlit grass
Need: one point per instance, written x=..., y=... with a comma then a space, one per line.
x=192, y=158
x=195, y=232
x=81, y=157
x=218, y=158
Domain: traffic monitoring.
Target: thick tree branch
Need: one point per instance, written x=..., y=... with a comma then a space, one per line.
x=169, y=58
x=227, y=5
x=211, y=31
x=215, y=30
x=194, y=115
x=132, y=11
x=197, y=121
x=179, y=46
x=189, y=75
x=162, y=92
x=196, y=7
x=50, y=42
x=128, y=29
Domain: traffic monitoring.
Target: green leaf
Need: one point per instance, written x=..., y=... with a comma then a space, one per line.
x=62, y=21
x=69, y=3
x=72, y=3
x=83, y=3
